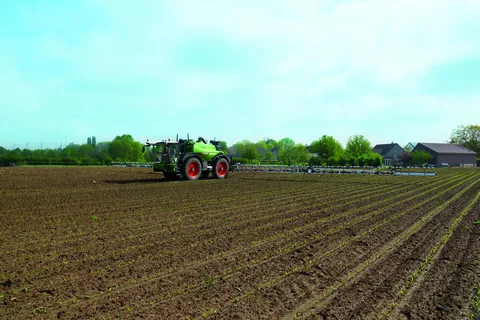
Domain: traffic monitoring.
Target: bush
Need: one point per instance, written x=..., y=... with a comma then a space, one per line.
x=315, y=161
x=108, y=161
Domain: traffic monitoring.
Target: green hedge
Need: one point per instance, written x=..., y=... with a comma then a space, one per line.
x=245, y=161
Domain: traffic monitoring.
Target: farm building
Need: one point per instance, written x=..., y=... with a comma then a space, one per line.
x=392, y=153
x=448, y=154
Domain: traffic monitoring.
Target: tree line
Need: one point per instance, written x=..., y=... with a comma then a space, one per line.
x=325, y=151
x=122, y=149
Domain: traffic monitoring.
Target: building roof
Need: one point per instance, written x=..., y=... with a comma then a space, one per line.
x=447, y=148
x=383, y=149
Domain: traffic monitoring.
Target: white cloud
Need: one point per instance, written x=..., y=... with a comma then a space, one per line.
x=309, y=65
x=393, y=40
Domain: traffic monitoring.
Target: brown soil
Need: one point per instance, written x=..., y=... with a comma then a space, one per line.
x=80, y=243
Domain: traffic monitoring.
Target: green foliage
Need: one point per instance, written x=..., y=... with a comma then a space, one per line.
x=209, y=281
x=327, y=147
x=271, y=144
x=358, y=146
x=286, y=148
x=315, y=161
x=90, y=153
x=85, y=151
x=246, y=150
x=300, y=154
x=124, y=148
x=108, y=161
x=265, y=149
x=420, y=157
x=467, y=136
x=245, y=161
x=3, y=151
x=290, y=153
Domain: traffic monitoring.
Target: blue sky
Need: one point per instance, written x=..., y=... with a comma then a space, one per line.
x=391, y=70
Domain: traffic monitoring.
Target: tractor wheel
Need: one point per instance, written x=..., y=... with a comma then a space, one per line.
x=192, y=169
x=170, y=175
x=204, y=174
x=220, y=168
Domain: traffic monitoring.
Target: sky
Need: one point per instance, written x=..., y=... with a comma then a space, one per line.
x=392, y=71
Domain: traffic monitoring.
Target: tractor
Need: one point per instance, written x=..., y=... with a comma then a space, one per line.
x=189, y=159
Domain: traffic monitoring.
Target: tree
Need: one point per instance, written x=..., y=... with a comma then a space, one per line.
x=373, y=159
x=326, y=147
x=70, y=151
x=270, y=150
x=124, y=148
x=89, y=141
x=467, y=136
x=420, y=157
x=101, y=150
x=271, y=143
x=246, y=150
x=94, y=141
x=85, y=151
x=300, y=154
x=358, y=146
x=285, y=151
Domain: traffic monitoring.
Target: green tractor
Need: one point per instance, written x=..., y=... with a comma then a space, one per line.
x=189, y=159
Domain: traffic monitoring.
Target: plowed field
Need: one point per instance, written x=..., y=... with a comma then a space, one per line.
x=79, y=243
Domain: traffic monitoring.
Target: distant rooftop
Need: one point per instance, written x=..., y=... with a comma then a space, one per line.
x=383, y=149
x=447, y=148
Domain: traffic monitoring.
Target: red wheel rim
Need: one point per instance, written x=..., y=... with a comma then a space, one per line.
x=222, y=169
x=193, y=169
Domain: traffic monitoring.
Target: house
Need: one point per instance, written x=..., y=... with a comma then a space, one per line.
x=392, y=153
x=448, y=154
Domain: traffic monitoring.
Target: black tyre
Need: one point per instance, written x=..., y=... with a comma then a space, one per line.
x=204, y=175
x=220, y=168
x=192, y=169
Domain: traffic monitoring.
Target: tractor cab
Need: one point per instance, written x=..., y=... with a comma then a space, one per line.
x=164, y=152
x=167, y=153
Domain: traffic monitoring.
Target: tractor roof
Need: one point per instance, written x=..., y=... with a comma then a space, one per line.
x=159, y=143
